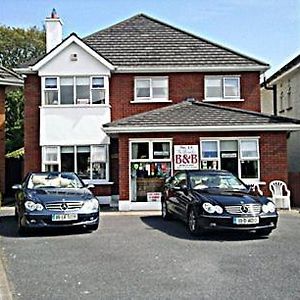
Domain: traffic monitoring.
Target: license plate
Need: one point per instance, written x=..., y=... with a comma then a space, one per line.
x=66, y=217
x=246, y=220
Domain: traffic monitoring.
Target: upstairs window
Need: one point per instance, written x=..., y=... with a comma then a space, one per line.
x=151, y=89
x=222, y=87
x=74, y=90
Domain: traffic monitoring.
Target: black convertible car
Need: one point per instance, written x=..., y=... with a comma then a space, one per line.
x=216, y=200
x=55, y=200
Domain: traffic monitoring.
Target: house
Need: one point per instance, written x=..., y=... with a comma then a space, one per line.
x=280, y=95
x=8, y=80
x=119, y=105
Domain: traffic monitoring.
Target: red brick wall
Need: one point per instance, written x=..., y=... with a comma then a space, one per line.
x=32, y=93
x=102, y=190
x=2, y=139
x=273, y=154
x=181, y=86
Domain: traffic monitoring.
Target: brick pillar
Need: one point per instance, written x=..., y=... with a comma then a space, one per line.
x=2, y=140
x=32, y=93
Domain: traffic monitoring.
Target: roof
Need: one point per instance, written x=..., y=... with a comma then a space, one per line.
x=286, y=68
x=142, y=41
x=8, y=77
x=199, y=116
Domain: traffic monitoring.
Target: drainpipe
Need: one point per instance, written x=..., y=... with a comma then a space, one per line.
x=274, y=89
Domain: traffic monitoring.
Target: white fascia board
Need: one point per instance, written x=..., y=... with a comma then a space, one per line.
x=11, y=82
x=275, y=80
x=66, y=43
x=188, y=69
x=27, y=70
x=282, y=127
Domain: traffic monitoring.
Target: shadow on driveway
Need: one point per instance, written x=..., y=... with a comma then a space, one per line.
x=8, y=228
x=179, y=230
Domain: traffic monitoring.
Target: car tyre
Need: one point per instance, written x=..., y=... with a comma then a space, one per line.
x=21, y=229
x=165, y=212
x=263, y=232
x=193, y=222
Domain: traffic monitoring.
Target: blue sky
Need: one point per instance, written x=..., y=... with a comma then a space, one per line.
x=268, y=30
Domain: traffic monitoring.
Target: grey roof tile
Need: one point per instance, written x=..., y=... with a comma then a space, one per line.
x=198, y=114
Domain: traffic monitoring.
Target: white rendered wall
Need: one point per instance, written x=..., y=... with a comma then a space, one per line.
x=62, y=64
x=78, y=125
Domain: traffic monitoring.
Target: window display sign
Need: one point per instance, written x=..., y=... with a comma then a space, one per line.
x=186, y=157
x=154, y=197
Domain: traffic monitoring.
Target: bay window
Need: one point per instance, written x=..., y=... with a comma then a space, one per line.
x=151, y=89
x=75, y=90
x=222, y=87
x=237, y=155
x=90, y=162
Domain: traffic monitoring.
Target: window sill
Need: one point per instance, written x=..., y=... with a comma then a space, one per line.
x=151, y=101
x=97, y=182
x=75, y=105
x=223, y=100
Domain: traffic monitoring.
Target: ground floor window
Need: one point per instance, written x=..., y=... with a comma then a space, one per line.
x=240, y=156
x=150, y=164
x=89, y=161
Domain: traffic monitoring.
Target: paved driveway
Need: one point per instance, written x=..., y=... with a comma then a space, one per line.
x=142, y=257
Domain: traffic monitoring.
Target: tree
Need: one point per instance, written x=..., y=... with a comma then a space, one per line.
x=18, y=45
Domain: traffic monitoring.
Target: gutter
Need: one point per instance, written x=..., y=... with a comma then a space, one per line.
x=274, y=89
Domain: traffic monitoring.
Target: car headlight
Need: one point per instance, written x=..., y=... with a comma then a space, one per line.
x=269, y=207
x=92, y=204
x=208, y=207
x=31, y=206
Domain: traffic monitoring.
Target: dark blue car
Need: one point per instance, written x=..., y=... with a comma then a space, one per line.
x=55, y=199
x=212, y=200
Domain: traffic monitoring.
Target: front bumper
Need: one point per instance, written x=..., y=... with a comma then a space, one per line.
x=225, y=222
x=40, y=220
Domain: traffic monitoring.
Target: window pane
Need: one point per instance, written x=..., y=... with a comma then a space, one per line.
x=249, y=149
x=51, y=154
x=67, y=159
x=83, y=162
x=229, y=145
x=209, y=149
x=160, y=88
x=83, y=90
x=140, y=150
x=143, y=88
x=249, y=169
x=51, y=83
x=161, y=150
x=213, y=87
x=51, y=168
x=98, y=96
x=66, y=90
x=97, y=82
x=98, y=170
x=99, y=154
x=51, y=97
x=231, y=86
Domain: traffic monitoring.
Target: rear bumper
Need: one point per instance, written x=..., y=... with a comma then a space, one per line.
x=226, y=223
x=45, y=221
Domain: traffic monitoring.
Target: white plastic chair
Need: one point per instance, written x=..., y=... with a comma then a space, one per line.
x=280, y=194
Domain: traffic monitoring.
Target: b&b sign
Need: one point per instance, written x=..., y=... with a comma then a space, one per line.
x=186, y=157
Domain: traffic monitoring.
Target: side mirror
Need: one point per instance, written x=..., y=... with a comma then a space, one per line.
x=17, y=187
x=90, y=186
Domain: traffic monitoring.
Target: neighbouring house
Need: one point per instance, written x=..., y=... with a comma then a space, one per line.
x=280, y=95
x=8, y=80
x=128, y=105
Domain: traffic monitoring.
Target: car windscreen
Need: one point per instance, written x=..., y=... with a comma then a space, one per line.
x=61, y=180
x=212, y=180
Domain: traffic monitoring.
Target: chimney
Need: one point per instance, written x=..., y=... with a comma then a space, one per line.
x=53, y=31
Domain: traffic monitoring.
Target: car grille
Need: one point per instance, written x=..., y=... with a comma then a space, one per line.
x=64, y=206
x=243, y=209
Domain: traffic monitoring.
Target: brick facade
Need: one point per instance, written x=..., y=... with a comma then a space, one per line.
x=32, y=95
x=181, y=86
x=273, y=154
x=2, y=140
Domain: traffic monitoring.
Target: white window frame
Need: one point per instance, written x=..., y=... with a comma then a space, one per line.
x=222, y=80
x=150, y=99
x=90, y=180
x=90, y=103
x=240, y=159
